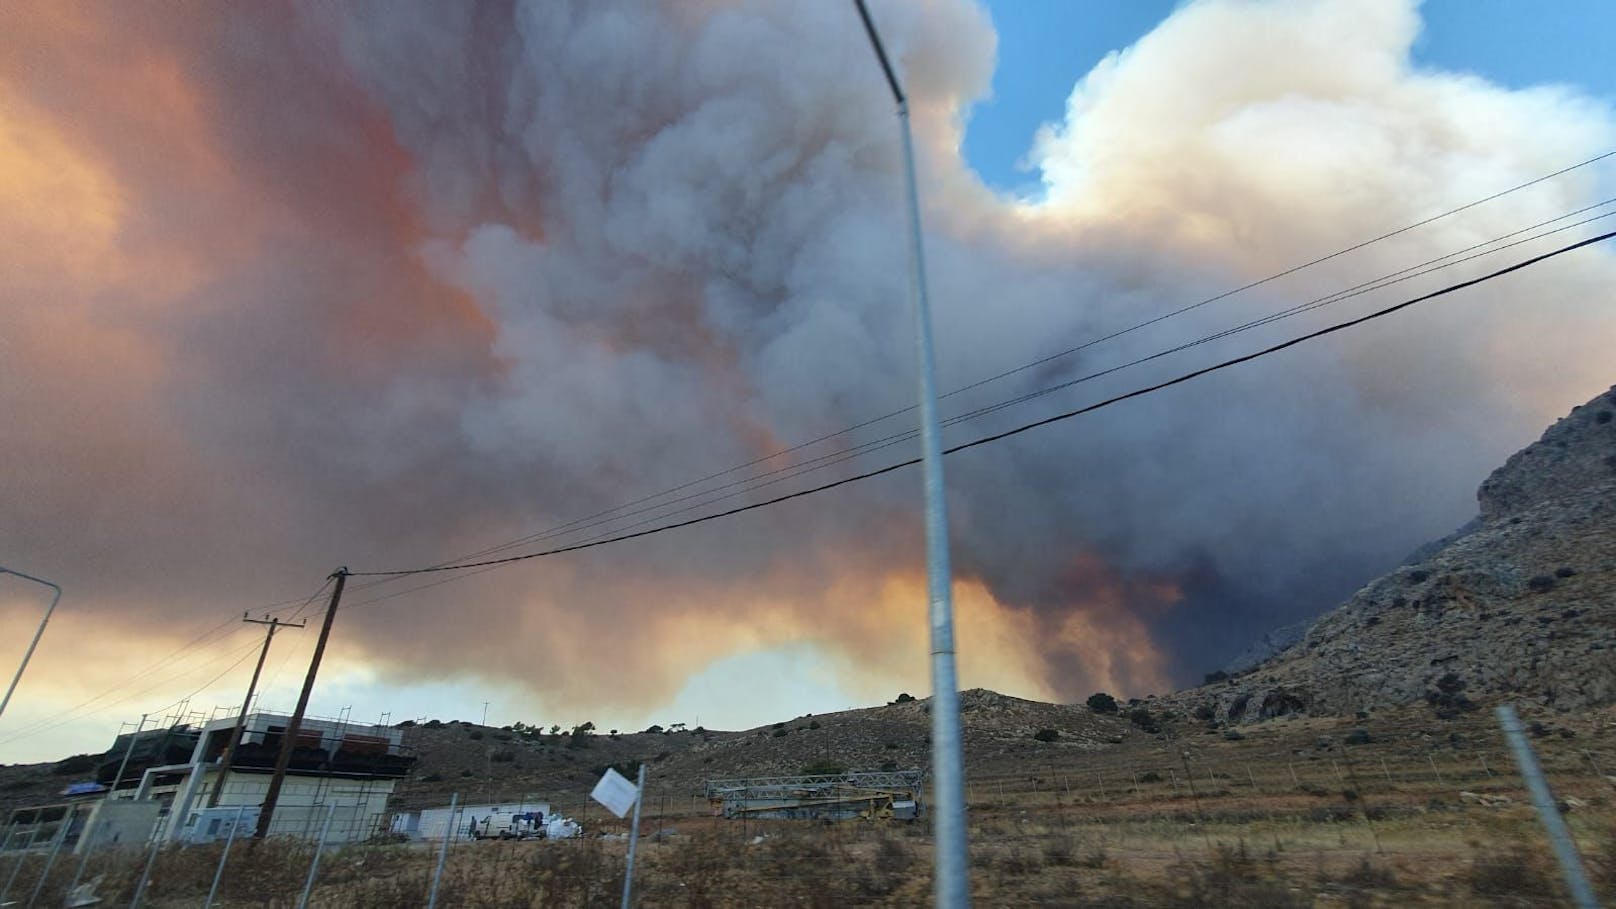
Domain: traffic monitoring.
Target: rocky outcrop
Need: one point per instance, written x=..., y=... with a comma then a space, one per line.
x=1575, y=457
x=1523, y=604
x=1267, y=647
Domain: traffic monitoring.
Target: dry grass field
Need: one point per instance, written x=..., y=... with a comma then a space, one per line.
x=1395, y=809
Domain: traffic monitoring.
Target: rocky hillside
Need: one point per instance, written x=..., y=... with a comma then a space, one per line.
x=1002, y=734
x=1522, y=605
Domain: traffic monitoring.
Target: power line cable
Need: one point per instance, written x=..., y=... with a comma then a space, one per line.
x=286, y=657
x=1139, y=392
x=831, y=459
x=602, y=516
x=251, y=648
x=1359, y=290
x=59, y=720
x=1380, y=283
x=123, y=685
x=1286, y=273
x=420, y=587
x=78, y=711
x=889, y=441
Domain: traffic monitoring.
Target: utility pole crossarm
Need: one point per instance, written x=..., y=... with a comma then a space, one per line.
x=246, y=703
x=295, y=725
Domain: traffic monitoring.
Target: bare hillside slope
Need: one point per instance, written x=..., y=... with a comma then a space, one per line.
x=1524, y=605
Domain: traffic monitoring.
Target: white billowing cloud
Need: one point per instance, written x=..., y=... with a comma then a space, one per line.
x=1251, y=136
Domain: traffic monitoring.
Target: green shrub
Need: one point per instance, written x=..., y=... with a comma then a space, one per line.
x=1100, y=702
x=1142, y=718
x=581, y=734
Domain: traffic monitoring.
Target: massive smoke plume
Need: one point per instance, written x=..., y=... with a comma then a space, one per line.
x=376, y=284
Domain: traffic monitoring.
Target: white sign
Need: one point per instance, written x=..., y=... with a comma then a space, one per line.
x=615, y=792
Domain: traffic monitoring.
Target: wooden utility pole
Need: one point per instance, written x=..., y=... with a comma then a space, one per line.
x=252, y=687
x=266, y=812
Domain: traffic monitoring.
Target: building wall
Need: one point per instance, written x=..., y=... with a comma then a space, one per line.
x=360, y=805
x=119, y=823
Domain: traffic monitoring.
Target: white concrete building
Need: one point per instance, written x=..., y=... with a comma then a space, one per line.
x=340, y=773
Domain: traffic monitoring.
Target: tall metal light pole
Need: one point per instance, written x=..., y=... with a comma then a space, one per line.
x=55, y=596
x=951, y=887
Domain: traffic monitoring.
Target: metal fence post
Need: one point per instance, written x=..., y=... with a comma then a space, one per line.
x=1363, y=803
x=87, y=843
x=145, y=874
x=22, y=856
x=50, y=861
x=443, y=851
x=314, y=864
x=218, y=873
x=1565, y=849
x=20, y=859
x=633, y=837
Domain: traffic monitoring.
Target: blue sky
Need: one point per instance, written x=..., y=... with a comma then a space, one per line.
x=1046, y=46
